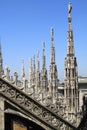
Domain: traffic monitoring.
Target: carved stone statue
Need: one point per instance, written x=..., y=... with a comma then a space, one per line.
x=69, y=8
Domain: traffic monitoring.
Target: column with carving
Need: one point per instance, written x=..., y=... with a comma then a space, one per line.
x=71, y=73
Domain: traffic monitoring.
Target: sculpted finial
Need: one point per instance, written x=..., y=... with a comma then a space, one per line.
x=43, y=45
x=37, y=54
x=69, y=8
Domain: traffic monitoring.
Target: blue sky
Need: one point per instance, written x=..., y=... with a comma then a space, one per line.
x=25, y=24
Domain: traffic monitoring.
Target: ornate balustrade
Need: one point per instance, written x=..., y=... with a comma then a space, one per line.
x=32, y=108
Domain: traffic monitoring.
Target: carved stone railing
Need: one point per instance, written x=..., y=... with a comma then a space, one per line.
x=83, y=123
x=33, y=108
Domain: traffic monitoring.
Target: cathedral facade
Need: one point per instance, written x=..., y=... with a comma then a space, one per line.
x=43, y=85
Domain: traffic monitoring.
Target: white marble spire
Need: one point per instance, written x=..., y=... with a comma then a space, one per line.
x=22, y=71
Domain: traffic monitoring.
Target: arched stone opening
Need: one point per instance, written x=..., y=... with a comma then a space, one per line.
x=16, y=122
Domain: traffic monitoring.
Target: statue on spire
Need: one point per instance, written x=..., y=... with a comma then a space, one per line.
x=52, y=36
x=43, y=46
x=23, y=72
x=38, y=54
x=69, y=8
x=69, y=13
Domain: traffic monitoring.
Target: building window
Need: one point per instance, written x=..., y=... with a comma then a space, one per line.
x=73, y=73
x=69, y=72
x=66, y=72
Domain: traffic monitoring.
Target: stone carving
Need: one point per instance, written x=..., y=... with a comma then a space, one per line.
x=32, y=106
x=69, y=8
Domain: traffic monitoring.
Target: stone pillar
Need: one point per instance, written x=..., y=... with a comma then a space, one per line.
x=1, y=113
